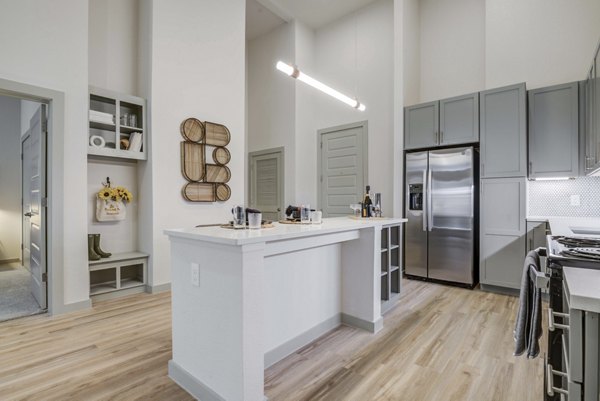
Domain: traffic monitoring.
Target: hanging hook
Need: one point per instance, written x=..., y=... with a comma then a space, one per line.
x=107, y=184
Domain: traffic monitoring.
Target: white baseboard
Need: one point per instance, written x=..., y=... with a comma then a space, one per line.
x=189, y=383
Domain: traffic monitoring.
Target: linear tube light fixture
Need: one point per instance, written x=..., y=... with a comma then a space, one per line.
x=552, y=179
x=294, y=72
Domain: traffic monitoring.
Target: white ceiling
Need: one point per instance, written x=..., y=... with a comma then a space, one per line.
x=264, y=15
x=259, y=20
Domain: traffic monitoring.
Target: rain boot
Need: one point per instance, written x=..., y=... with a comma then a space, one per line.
x=97, y=248
x=92, y=255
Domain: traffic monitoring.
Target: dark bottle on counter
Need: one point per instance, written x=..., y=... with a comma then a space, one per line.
x=367, y=208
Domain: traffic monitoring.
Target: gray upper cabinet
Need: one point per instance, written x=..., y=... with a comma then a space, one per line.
x=453, y=121
x=554, y=131
x=459, y=120
x=503, y=132
x=421, y=126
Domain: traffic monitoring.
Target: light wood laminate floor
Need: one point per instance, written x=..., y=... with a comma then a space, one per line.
x=439, y=343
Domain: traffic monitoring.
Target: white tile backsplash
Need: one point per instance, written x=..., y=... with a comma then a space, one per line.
x=553, y=198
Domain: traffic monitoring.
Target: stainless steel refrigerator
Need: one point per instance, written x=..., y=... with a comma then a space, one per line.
x=440, y=240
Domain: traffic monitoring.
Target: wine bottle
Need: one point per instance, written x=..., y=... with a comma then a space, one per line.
x=367, y=204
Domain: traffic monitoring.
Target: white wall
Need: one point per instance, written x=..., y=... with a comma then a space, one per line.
x=10, y=178
x=452, y=34
x=373, y=80
x=471, y=45
x=271, y=99
x=51, y=51
x=408, y=24
x=113, y=44
x=305, y=124
x=196, y=61
x=539, y=42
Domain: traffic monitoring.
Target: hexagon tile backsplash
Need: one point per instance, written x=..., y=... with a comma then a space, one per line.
x=553, y=198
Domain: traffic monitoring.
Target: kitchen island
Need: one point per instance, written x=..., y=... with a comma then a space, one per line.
x=245, y=299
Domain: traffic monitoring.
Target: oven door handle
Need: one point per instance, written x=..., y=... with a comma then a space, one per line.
x=552, y=325
x=550, y=389
x=542, y=280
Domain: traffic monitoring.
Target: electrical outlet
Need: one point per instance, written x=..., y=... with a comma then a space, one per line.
x=195, y=274
x=575, y=200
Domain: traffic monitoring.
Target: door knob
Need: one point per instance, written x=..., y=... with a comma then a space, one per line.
x=28, y=214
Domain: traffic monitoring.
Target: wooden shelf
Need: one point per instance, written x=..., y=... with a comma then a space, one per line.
x=394, y=268
x=102, y=288
x=128, y=130
x=392, y=247
x=384, y=249
x=116, y=153
x=119, y=257
x=130, y=283
x=102, y=126
x=383, y=273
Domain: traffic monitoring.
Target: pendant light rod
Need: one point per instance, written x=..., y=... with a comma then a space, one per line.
x=294, y=72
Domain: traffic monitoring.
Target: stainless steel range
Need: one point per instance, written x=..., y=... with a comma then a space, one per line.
x=573, y=252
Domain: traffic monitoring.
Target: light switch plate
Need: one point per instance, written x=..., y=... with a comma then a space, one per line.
x=195, y=274
x=575, y=200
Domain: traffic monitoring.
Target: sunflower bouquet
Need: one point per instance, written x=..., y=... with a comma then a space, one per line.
x=116, y=194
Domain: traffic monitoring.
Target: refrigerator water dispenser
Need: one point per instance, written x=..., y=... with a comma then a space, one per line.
x=415, y=197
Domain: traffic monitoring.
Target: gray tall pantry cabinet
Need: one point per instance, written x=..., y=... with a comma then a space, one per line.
x=447, y=122
x=554, y=131
x=503, y=171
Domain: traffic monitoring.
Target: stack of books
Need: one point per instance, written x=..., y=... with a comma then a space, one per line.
x=101, y=117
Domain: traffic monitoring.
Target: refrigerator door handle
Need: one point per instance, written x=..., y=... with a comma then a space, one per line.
x=429, y=202
x=425, y=200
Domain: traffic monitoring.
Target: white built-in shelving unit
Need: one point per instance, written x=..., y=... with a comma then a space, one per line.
x=391, y=265
x=125, y=272
x=117, y=105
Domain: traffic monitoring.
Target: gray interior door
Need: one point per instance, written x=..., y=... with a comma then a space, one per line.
x=343, y=168
x=266, y=183
x=451, y=215
x=34, y=172
x=25, y=182
x=416, y=226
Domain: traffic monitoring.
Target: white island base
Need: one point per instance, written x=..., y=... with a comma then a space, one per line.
x=263, y=294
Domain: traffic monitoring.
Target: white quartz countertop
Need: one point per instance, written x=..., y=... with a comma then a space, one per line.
x=565, y=225
x=583, y=288
x=279, y=232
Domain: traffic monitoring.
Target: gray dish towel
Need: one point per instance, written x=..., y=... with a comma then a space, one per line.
x=528, y=327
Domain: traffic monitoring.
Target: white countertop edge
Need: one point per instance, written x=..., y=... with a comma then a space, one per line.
x=583, y=288
x=279, y=232
x=562, y=225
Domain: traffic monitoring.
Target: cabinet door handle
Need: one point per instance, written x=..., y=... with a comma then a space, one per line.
x=441, y=137
x=435, y=137
x=530, y=167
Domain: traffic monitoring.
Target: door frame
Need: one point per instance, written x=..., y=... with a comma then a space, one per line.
x=365, y=146
x=281, y=151
x=54, y=187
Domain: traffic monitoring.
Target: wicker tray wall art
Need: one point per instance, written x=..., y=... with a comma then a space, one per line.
x=207, y=182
